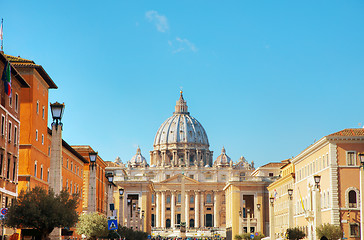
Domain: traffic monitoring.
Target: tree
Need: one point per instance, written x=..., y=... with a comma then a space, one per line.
x=330, y=231
x=295, y=233
x=43, y=210
x=92, y=225
x=238, y=237
x=128, y=233
x=259, y=236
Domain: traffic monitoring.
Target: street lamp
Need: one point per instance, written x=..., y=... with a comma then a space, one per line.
x=271, y=216
x=121, y=206
x=55, y=168
x=142, y=220
x=317, y=179
x=290, y=208
x=290, y=193
x=93, y=156
x=361, y=169
x=57, y=112
x=258, y=206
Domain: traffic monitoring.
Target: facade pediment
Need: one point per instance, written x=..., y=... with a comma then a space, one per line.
x=178, y=179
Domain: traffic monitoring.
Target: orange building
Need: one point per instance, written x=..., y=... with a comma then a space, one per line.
x=98, y=200
x=9, y=137
x=34, y=149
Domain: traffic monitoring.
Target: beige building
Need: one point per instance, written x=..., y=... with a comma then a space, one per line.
x=335, y=199
x=184, y=185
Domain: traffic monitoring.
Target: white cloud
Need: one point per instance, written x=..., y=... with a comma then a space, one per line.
x=186, y=43
x=159, y=21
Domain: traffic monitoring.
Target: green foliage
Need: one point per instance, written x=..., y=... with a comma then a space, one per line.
x=129, y=233
x=259, y=236
x=238, y=237
x=43, y=210
x=246, y=236
x=295, y=233
x=330, y=231
x=92, y=225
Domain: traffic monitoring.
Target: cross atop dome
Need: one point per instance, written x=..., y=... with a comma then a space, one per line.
x=181, y=105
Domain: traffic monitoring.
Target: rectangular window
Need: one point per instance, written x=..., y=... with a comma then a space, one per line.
x=43, y=112
x=36, y=135
x=41, y=172
x=15, y=135
x=9, y=132
x=10, y=101
x=2, y=125
x=191, y=176
x=37, y=109
x=354, y=230
x=14, y=170
x=168, y=176
x=8, y=169
x=16, y=102
x=1, y=163
x=42, y=139
x=350, y=158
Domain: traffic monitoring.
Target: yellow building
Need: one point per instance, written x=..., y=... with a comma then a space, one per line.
x=280, y=191
x=326, y=186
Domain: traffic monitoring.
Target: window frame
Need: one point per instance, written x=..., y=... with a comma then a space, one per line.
x=348, y=161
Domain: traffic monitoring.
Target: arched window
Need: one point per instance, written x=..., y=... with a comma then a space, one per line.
x=352, y=199
x=208, y=198
x=168, y=199
x=191, y=199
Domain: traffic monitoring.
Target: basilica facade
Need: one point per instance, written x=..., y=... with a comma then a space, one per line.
x=184, y=189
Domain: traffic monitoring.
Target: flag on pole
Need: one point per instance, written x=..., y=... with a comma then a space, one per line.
x=6, y=77
x=303, y=206
x=1, y=30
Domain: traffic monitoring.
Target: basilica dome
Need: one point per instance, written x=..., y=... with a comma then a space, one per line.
x=181, y=128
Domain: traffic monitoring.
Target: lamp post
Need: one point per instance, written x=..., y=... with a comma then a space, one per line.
x=290, y=208
x=55, y=169
x=92, y=181
x=134, y=215
x=129, y=212
x=271, y=215
x=56, y=148
x=142, y=220
x=121, y=205
x=110, y=179
x=240, y=222
x=258, y=217
x=248, y=220
x=138, y=218
x=317, y=205
x=361, y=169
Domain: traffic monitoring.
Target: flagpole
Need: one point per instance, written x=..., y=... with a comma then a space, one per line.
x=1, y=33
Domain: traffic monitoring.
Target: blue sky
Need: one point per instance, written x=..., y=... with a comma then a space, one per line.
x=265, y=78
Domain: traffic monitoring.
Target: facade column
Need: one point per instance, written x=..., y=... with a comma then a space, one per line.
x=202, y=214
x=121, y=211
x=157, y=206
x=173, y=214
x=215, y=209
x=187, y=208
x=290, y=212
x=248, y=215
x=163, y=158
x=163, y=212
x=197, y=211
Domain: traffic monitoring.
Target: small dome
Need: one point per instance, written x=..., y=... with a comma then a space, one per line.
x=223, y=159
x=138, y=159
